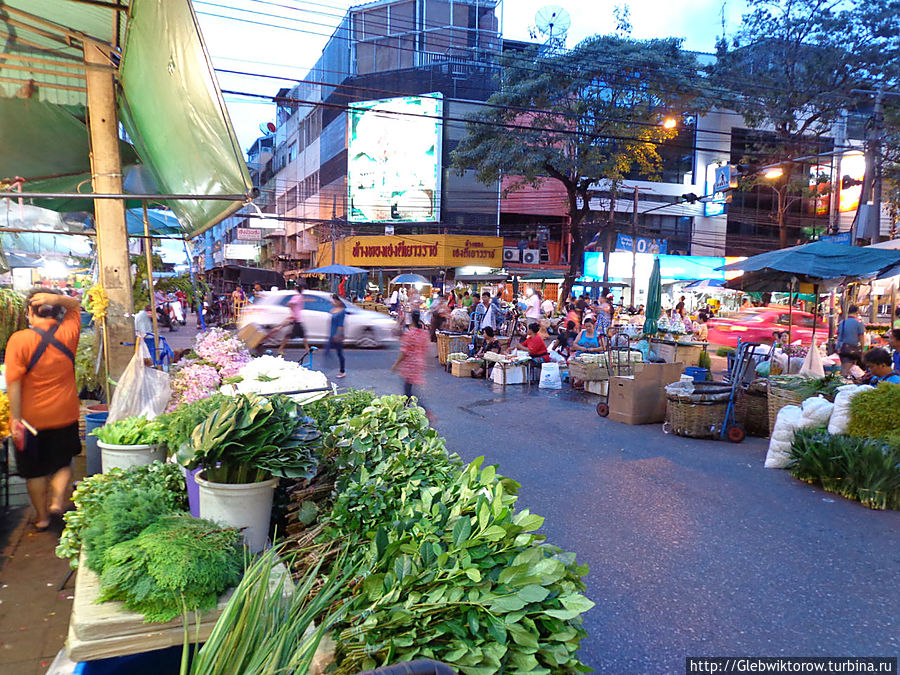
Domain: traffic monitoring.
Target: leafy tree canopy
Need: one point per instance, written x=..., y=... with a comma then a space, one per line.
x=585, y=117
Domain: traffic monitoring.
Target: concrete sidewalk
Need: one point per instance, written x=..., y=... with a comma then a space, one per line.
x=34, y=605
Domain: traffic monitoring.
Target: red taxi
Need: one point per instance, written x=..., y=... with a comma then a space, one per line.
x=757, y=324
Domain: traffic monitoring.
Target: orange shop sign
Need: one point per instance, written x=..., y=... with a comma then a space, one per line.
x=416, y=250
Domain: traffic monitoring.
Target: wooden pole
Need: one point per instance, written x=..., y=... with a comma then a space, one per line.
x=148, y=252
x=112, y=235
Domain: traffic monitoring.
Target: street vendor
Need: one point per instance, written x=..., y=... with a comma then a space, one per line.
x=490, y=344
x=893, y=337
x=879, y=363
x=588, y=341
x=43, y=400
x=534, y=343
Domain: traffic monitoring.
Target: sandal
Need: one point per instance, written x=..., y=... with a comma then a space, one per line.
x=41, y=528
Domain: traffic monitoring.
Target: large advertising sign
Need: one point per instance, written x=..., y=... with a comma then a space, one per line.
x=394, y=159
x=853, y=172
x=671, y=267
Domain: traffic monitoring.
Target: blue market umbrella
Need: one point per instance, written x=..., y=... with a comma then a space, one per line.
x=704, y=284
x=341, y=270
x=654, y=300
x=410, y=279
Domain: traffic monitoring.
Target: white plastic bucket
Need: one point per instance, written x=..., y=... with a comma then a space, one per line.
x=247, y=506
x=127, y=456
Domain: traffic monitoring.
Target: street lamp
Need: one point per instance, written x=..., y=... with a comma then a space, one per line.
x=670, y=123
x=773, y=173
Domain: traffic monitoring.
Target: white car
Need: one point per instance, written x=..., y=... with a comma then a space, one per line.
x=362, y=328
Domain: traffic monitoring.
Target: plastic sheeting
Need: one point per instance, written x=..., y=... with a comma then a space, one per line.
x=174, y=112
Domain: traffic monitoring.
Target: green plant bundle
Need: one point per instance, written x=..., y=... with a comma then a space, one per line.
x=121, y=516
x=131, y=431
x=86, y=372
x=875, y=413
x=807, y=387
x=178, y=564
x=705, y=361
x=12, y=314
x=328, y=412
x=91, y=492
x=267, y=626
x=456, y=573
x=179, y=424
x=725, y=351
x=251, y=437
x=867, y=469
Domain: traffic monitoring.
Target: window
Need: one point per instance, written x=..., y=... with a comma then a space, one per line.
x=315, y=303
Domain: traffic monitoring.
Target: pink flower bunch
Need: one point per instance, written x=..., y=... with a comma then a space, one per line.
x=223, y=350
x=192, y=383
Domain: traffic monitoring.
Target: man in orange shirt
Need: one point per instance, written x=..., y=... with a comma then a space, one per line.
x=40, y=381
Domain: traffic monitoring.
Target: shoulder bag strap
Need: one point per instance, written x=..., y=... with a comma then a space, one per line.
x=48, y=338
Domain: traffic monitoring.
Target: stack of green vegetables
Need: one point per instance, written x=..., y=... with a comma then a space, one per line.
x=250, y=438
x=147, y=551
x=453, y=571
x=131, y=431
x=864, y=464
x=12, y=314
x=808, y=387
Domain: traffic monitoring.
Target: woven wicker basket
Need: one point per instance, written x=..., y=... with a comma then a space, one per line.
x=698, y=415
x=751, y=410
x=779, y=397
x=449, y=343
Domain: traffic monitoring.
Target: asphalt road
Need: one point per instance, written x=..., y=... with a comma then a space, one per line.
x=694, y=548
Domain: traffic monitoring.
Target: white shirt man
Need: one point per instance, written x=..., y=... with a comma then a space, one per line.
x=547, y=307
x=533, y=309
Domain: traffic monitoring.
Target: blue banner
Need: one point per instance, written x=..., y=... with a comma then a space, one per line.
x=845, y=238
x=624, y=242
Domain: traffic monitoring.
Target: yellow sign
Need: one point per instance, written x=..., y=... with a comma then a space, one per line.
x=415, y=250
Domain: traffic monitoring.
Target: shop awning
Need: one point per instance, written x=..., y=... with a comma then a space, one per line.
x=819, y=262
x=169, y=101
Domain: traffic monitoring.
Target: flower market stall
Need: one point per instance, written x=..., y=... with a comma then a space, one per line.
x=463, y=580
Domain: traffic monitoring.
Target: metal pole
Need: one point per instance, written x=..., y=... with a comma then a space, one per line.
x=148, y=252
x=790, y=316
x=634, y=217
x=112, y=234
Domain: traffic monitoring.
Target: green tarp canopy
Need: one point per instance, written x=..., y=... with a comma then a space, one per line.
x=169, y=102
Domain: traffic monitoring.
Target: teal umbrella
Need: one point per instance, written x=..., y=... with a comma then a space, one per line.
x=654, y=300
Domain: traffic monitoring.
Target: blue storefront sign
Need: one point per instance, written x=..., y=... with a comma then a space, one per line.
x=625, y=242
x=844, y=238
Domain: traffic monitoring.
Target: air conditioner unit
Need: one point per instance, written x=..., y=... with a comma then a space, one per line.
x=510, y=254
x=530, y=256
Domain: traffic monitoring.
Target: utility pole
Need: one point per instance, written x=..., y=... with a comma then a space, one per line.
x=333, y=216
x=634, y=220
x=112, y=235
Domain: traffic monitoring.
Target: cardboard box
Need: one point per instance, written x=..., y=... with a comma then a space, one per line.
x=641, y=398
x=252, y=335
x=464, y=368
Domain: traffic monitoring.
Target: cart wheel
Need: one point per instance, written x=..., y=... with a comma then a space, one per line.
x=603, y=409
x=735, y=433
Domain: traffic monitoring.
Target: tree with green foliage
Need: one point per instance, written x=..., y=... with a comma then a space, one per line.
x=791, y=69
x=586, y=118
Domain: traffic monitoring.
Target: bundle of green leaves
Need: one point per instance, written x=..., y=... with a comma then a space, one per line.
x=121, y=516
x=178, y=564
x=179, y=424
x=131, y=431
x=875, y=413
x=867, y=469
x=249, y=438
x=807, y=387
x=92, y=491
x=455, y=572
x=331, y=410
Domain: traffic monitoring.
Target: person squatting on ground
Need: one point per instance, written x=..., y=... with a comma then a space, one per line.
x=43, y=400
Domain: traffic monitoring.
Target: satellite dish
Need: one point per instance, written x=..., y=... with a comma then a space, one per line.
x=553, y=22
x=267, y=128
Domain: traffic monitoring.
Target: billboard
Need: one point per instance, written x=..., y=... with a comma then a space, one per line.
x=671, y=267
x=241, y=251
x=853, y=172
x=394, y=159
x=716, y=205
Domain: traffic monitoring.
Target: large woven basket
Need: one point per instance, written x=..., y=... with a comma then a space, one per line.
x=448, y=343
x=700, y=414
x=752, y=409
x=779, y=397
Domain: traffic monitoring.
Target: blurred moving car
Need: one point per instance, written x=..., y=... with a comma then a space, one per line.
x=362, y=327
x=757, y=324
